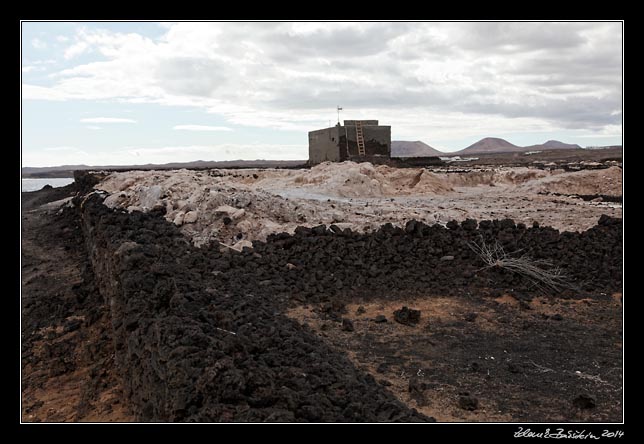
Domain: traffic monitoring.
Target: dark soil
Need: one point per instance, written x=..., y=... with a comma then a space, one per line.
x=518, y=361
x=67, y=354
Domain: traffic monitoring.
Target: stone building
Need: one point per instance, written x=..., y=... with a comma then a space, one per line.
x=357, y=140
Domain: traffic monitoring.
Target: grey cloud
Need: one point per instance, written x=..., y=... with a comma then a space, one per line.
x=574, y=63
x=579, y=72
x=388, y=71
x=573, y=113
x=330, y=43
x=558, y=65
x=520, y=36
x=420, y=43
x=318, y=94
x=568, y=73
x=192, y=76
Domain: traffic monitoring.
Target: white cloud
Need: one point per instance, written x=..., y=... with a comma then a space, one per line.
x=106, y=120
x=201, y=128
x=34, y=92
x=38, y=65
x=62, y=38
x=55, y=156
x=75, y=50
x=290, y=76
x=60, y=148
x=38, y=44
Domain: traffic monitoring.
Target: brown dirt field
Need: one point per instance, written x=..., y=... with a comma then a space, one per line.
x=523, y=360
x=67, y=361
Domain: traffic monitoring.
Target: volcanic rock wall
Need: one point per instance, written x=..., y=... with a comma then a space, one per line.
x=190, y=350
x=200, y=334
x=332, y=264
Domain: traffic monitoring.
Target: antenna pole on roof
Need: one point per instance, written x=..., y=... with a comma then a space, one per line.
x=339, y=109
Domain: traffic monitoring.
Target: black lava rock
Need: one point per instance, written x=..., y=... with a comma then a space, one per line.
x=507, y=224
x=72, y=325
x=452, y=225
x=470, y=317
x=410, y=226
x=514, y=368
x=469, y=224
x=584, y=401
x=382, y=367
x=417, y=385
x=407, y=316
x=158, y=210
x=347, y=325
x=468, y=402
x=319, y=230
x=607, y=220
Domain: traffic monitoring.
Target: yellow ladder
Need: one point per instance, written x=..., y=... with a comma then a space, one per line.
x=360, y=138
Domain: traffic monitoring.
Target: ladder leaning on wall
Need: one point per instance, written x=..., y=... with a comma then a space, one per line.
x=360, y=138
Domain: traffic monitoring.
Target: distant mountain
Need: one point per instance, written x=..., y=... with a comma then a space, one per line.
x=496, y=145
x=399, y=148
x=552, y=145
x=29, y=170
x=489, y=145
x=403, y=148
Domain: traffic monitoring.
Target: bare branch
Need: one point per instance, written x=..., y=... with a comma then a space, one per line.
x=226, y=331
x=541, y=368
x=540, y=272
x=595, y=378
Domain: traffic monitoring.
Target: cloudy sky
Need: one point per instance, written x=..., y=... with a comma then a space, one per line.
x=134, y=93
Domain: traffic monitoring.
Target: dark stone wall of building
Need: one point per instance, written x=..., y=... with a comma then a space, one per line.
x=323, y=145
x=377, y=141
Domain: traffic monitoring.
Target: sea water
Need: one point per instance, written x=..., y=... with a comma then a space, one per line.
x=37, y=183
